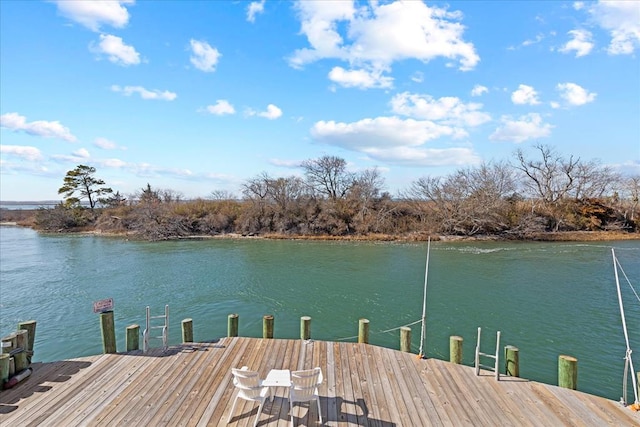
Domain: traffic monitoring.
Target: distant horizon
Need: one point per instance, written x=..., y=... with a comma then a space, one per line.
x=28, y=202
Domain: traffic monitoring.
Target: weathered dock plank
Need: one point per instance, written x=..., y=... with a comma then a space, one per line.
x=364, y=385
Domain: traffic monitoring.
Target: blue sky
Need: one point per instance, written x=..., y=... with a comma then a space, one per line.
x=197, y=97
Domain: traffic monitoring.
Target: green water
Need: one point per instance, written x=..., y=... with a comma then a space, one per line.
x=547, y=299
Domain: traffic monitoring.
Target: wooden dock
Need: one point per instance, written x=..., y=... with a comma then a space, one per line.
x=364, y=385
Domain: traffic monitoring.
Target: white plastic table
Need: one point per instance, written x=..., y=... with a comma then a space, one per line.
x=278, y=378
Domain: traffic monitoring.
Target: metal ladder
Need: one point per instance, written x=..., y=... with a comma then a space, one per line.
x=496, y=357
x=146, y=335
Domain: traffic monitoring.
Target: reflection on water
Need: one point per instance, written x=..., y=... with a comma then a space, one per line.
x=546, y=298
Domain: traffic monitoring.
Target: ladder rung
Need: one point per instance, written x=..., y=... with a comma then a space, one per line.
x=488, y=368
x=493, y=356
x=157, y=317
x=157, y=327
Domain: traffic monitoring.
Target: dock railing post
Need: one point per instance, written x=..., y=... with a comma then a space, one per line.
x=512, y=361
x=568, y=372
x=363, y=331
x=133, y=338
x=305, y=328
x=108, y=329
x=30, y=327
x=187, y=330
x=455, y=349
x=405, y=339
x=232, y=325
x=4, y=367
x=20, y=356
x=267, y=326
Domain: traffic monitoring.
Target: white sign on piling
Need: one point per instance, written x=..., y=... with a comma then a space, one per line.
x=103, y=305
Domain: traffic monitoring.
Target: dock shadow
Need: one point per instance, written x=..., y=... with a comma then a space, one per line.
x=358, y=416
x=279, y=410
x=43, y=372
x=190, y=347
x=503, y=377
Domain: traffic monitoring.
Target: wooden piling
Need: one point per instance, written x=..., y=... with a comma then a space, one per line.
x=267, y=326
x=4, y=368
x=20, y=360
x=187, y=330
x=30, y=327
x=133, y=337
x=9, y=343
x=232, y=325
x=108, y=330
x=363, y=331
x=455, y=349
x=405, y=339
x=305, y=328
x=22, y=339
x=512, y=361
x=568, y=372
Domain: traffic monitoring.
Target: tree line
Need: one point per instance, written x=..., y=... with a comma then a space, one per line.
x=534, y=193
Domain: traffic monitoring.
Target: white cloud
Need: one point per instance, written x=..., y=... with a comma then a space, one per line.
x=31, y=154
x=144, y=93
x=204, y=57
x=447, y=110
x=580, y=43
x=622, y=20
x=112, y=163
x=76, y=157
x=478, y=90
x=418, y=156
x=292, y=164
x=253, y=9
x=521, y=129
x=272, y=112
x=381, y=132
x=106, y=144
x=361, y=79
x=149, y=170
x=16, y=122
x=578, y=5
x=418, y=77
x=394, y=140
x=221, y=107
x=574, y=94
x=525, y=95
x=116, y=51
x=82, y=153
x=529, y=42
x=380, y=34
x=94, y=14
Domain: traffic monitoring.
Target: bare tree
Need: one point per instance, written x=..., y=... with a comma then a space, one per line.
x=363, y=195
x=470, y=201
x=222, y=195
x=632, y=190
x=328, y=175
x=593, y=181
x=551, y=177
x=285, y=191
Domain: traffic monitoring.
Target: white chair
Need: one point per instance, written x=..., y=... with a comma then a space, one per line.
x=304, y=388
x=249, y=388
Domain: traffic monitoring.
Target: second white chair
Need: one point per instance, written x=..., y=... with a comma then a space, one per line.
x=249, y=388
x=304, y=388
